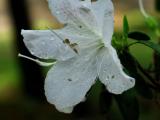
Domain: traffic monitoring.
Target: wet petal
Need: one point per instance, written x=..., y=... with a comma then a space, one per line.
x=44, y=44
x=111, y=73
x=68, y=82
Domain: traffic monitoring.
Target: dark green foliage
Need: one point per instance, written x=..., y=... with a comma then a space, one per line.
x=128, y=105
x=143, y=88
x=132, y=66
x=138, y=36
x=105, y=101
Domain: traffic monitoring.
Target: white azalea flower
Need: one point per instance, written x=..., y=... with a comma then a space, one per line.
x=82, y=49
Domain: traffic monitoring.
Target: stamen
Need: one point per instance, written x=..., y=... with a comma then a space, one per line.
x=37, y=61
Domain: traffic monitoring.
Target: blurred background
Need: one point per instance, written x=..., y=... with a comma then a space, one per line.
x=21, y=81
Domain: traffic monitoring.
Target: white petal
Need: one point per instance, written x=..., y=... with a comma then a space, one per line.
x=68, y=82
x=44, y=44
x=103, y=9
x=66, y=110
x=111, y=73
x=84, y=38
x=63, y=9
x=75, y=12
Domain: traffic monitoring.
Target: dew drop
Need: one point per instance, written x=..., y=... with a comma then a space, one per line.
x=80, y=26
x=69, y=79
x=113, y=77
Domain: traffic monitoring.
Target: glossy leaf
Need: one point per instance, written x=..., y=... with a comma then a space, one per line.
x=140, y=36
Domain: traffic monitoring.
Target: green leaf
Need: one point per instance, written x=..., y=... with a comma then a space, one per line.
x=151, y=22
x=125, y=25
x=138, y=36
x=130, y=63
x=128, y=105
x=152, y=45
x=142, y=87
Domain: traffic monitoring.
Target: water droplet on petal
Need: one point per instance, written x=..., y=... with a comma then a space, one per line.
x=113, y=77
x=69, y=79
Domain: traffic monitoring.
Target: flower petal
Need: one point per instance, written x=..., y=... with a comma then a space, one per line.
x=75, y=12
x=83, y=38
x=63, y=9
x=68, y=82
x=103, y=9
x=111, y=73
x=44, y=44
x=67, y=110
